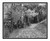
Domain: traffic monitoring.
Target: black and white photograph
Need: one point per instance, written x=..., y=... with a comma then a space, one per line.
x=25, y=20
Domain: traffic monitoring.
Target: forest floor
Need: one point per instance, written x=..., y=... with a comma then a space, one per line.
x=33, y=31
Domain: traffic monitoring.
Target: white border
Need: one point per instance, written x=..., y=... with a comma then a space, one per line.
x=1, y=1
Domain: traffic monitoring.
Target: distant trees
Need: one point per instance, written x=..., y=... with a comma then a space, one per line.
x=12, y=15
